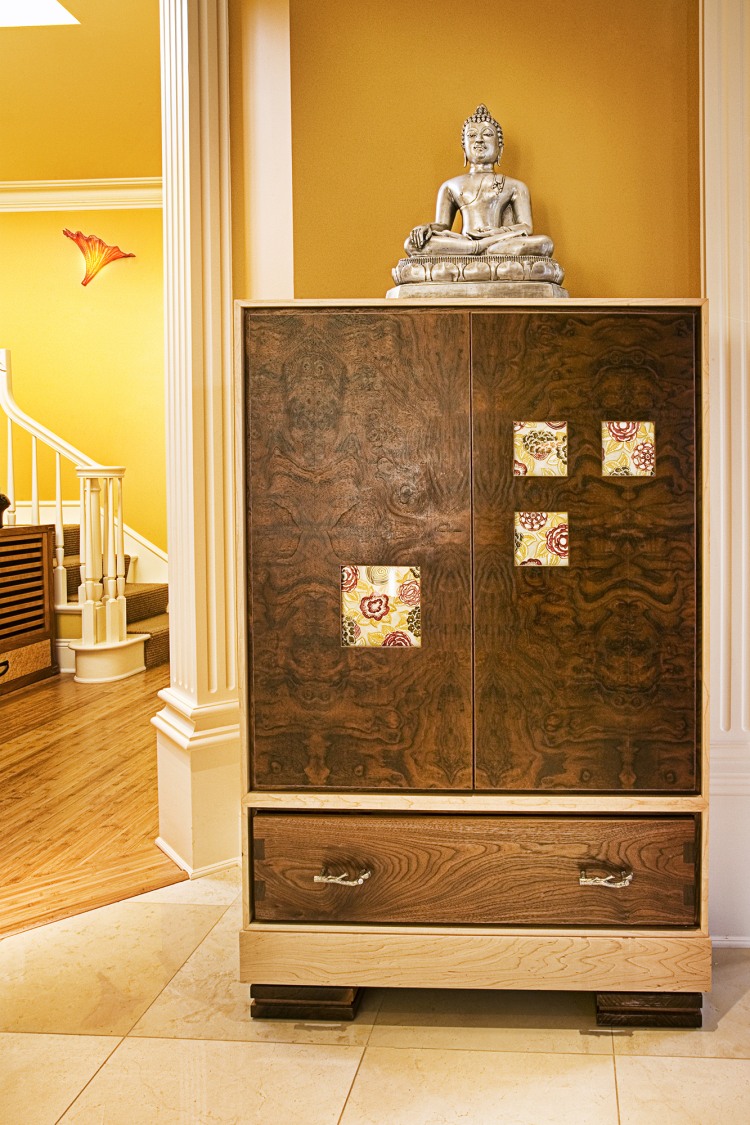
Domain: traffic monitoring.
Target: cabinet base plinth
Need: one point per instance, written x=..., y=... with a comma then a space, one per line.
x=287, y=1002
x=649, y=1009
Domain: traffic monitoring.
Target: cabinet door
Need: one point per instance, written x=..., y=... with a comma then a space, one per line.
x=359, y=464
x=587, y=670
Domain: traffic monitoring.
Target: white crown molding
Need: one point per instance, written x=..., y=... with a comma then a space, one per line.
x=81, y=195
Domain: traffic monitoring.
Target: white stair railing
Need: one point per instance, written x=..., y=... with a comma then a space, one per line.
x=101, y=593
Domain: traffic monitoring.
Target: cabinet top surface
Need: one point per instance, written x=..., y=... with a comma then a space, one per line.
x=557, y=304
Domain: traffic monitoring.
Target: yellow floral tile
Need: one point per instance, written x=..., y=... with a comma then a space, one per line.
x=541, y=538
x=628, y=449
x=380, y=606
x=540, y=449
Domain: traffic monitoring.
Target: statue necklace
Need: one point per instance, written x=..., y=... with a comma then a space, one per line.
x=498, y=183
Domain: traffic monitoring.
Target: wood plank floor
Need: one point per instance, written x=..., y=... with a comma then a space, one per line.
x=78, y=798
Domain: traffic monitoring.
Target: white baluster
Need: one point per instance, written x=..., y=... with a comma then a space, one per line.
x=106, y=538
x=82, y=540
x=110, y=592
x=10, y=514
x=61, y=577
x=93, y=609
x=88, y=616
x=120, y=526
x=34, y=482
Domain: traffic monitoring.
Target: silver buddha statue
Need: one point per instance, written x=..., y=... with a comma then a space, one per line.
x=496, y=253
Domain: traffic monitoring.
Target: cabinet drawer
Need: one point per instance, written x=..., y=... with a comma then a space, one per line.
x=545, y=871
x=27, y=663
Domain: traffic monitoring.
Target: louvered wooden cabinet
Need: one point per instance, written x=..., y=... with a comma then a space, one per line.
x=27, y=616
x=474, y=719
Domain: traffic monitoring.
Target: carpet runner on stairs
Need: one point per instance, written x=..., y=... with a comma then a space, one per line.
x=145, y=602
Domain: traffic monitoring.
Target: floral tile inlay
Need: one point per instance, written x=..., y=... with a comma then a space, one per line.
x=540, y=449
x=380, y=606
x=628, y=449
x=541, y=538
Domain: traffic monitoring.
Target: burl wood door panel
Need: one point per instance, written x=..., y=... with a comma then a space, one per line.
x=587, y=674
x=547, y=871
x=358, y=454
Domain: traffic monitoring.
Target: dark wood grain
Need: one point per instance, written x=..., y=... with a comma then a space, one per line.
x=300, y=1002
x=358, y=452
x=649, y=1009
x=587, y=676
x=474, y=869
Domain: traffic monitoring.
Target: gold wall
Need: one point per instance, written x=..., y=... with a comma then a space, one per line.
x=600, y=106
x=599, y=103
x=88, y=361
x=83, y=102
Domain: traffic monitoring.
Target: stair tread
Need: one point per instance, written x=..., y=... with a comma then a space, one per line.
x=153, y=625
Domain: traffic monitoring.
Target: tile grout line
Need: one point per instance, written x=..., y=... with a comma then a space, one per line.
x=375, y=1018
x=86, y=1085
x=488, y=1051
x=351, y=1086
x=180, y=967
x=617, y=1089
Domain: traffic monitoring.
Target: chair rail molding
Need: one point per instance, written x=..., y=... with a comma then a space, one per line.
x=133, y=194
x=726, y=232
x=198, y=739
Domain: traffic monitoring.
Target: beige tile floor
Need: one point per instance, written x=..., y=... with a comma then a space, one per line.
x=132, y=1015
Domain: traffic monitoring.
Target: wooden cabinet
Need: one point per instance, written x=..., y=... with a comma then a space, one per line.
x=474, y=646
x=27, y=616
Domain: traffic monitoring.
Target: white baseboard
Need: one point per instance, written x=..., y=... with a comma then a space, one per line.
x=731, y=942
x=195, y=872
x=66, y=658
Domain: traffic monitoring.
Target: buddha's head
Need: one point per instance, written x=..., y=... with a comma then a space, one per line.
x=482, y=138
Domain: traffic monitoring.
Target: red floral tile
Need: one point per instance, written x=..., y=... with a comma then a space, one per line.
x=628, y=449
x=381, y=606
x=541, y=538
x=540, y=449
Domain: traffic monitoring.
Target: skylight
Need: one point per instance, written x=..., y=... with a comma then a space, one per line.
x=33, y=13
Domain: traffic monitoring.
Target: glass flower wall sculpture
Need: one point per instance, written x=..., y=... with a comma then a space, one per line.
x=96, y=253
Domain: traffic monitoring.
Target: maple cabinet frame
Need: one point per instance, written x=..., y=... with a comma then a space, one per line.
x=497, y=957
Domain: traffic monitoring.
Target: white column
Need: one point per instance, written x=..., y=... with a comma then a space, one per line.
x=726, y=125
x=198, y=745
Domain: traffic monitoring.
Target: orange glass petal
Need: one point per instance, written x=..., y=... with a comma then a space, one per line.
x=96, y=253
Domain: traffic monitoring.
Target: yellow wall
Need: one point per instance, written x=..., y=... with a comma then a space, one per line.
x=82, y=102
x=78, y=103
x=600, y=107
x=88, y=361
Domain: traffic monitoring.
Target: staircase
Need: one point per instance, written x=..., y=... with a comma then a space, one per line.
x=108, y=628
x=145, y=602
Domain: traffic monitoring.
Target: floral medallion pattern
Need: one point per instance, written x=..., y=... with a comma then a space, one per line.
x=541, y=538
x=628, y=449
x=380, y=606
x=540, y=449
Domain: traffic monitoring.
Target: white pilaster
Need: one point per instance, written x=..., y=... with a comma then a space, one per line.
x=726, y=224
x=266, y=156
x=198, y=744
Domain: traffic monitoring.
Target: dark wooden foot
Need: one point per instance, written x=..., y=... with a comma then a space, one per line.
x=289, y=1002
x=649, y=1009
